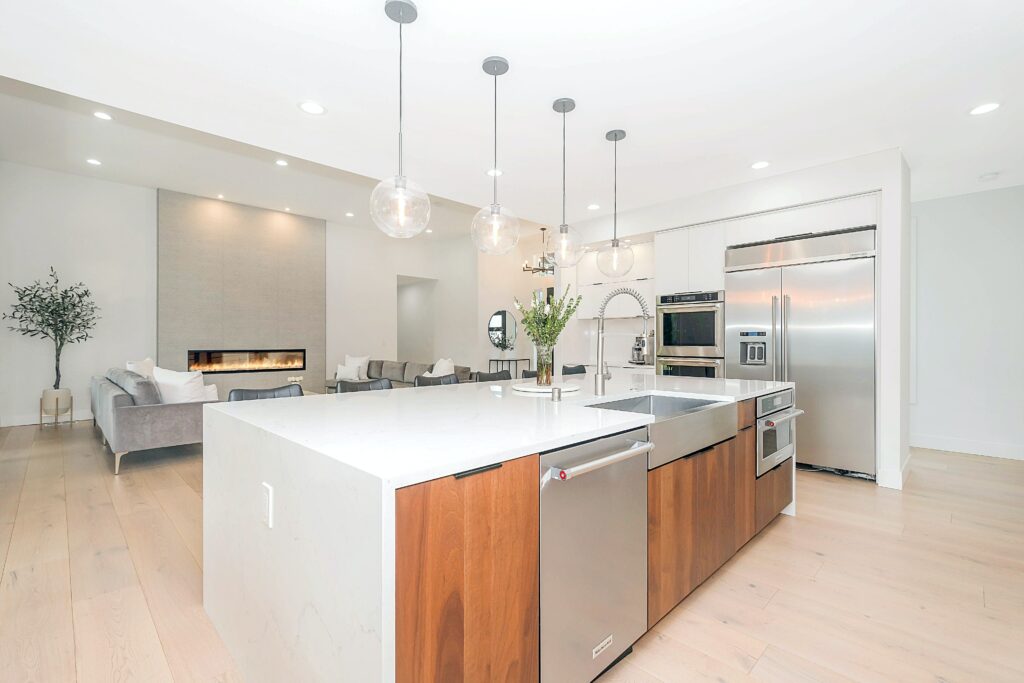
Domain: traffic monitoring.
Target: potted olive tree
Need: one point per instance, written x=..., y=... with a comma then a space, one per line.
x=64, y=315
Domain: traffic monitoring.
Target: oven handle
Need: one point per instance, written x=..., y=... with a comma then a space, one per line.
x=771, y=421
x=638, y=447
x=703, y=362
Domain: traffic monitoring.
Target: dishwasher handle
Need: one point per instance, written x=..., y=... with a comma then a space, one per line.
x=638, y=448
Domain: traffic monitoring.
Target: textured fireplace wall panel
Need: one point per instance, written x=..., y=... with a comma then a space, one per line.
x=232, y=276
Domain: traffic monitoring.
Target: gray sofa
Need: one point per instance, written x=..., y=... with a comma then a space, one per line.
x=403, y=374
x=127, y=408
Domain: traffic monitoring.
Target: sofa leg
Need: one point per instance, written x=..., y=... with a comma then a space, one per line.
x=117, y=462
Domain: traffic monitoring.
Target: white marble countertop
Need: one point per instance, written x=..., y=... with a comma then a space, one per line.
x=406, y=436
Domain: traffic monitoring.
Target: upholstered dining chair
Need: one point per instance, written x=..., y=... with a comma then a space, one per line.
x=345, y=386
x=287, y=391
x=493, y=376
x=424, y=381
x=573, y=370
x=529, y=374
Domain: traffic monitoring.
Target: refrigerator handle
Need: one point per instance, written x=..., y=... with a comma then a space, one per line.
x=785, y=338
x=775, y=348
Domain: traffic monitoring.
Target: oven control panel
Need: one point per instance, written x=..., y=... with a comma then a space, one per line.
x=691, y=298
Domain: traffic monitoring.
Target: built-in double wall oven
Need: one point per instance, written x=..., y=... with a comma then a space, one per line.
x=691, y=334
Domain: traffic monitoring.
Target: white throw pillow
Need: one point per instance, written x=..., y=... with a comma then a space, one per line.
x=210, y=393
x=360, y=362
x=444, y=366
x=347, y=372
x=142, y=367
x=179, y=387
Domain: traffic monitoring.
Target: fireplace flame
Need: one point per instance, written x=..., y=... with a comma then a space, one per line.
x=242, y=361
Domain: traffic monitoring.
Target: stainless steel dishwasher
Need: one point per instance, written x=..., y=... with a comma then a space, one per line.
x=593, y=555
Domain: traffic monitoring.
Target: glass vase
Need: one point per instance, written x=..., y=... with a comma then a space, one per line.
x=545, y=356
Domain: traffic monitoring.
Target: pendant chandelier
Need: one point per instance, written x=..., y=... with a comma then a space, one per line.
x=615, y=259
x=398, y=206
x=569, y=248
x=495, y=229
x=545, y=263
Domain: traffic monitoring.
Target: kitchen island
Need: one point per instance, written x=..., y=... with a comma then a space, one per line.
x=356, y=536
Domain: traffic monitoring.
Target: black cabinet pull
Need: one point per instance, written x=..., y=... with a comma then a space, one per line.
x=478, y=470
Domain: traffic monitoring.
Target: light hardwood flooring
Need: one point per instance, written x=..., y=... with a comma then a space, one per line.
x=102, y=576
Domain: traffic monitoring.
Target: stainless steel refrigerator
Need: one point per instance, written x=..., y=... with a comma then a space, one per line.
x=803, y=310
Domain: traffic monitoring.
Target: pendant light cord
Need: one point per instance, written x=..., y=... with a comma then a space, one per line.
x=400, y=99
x=615, y=194
x=494, y=169
x=563, y=168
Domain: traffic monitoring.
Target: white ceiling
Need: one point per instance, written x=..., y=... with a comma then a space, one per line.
x=703, y=88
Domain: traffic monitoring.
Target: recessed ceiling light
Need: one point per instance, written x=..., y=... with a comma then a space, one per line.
x=311, y=107
x=94, y=162
x=494, y=172
x=281, y=162
x=984, y=108
x=220, y=196
x=593, y=207
x=758, y=165
x=349, y=214
x=102, y=115
x=428, y=230
x=988, y=177
x=287, y=208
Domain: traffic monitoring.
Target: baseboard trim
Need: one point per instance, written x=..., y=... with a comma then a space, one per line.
x=24, y=420
x=992, y=449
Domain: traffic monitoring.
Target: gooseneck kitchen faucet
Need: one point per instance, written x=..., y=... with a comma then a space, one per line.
x=602, y=374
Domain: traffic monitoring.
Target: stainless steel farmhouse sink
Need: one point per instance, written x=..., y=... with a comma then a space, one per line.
x=681, y=425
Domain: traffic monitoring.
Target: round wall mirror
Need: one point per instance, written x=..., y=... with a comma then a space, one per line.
x=501, y=330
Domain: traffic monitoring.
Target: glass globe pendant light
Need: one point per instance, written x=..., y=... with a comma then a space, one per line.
x=398, y=206
x=495, y=229
x=615, y=259
x=568, y=246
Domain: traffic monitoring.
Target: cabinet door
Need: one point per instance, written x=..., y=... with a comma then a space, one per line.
x=744, y=460
x=707, y=258
x=715, y=510
x=672, y=261
x=773, y=491
x=671, y=536
x=467, y=592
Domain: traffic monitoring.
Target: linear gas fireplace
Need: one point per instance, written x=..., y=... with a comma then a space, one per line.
x=261, y=360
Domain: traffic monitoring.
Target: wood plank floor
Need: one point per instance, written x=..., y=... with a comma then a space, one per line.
x=101, y=576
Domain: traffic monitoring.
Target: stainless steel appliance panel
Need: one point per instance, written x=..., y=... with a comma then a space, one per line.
x=752, y=303
x=773, y=403
x=825, y=246
x=691, y=367
x=593, y=555
x=828, y=323
x=691, y=325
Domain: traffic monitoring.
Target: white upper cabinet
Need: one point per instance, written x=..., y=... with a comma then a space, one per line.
x=707, y=258
x=672, y=261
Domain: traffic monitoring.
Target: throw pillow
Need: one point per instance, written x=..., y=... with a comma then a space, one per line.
x=347, y=372
x=360, y=362
x=179, y=387
x=210, y=392
x=142, y=367
x=444, y=366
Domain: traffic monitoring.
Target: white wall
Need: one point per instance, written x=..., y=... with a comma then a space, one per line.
x=969, y=324
x=885, y=172
x=416, y=314
x=96, y=232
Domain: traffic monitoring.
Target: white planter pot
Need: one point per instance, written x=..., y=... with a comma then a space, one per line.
x=56, y=401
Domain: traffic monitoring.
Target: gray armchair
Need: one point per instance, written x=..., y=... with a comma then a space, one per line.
x=126, y=407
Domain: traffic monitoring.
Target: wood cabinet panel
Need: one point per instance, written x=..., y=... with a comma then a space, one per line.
x=467, y=591
x=746, y=413
x=772, y=492
x=715, y=510
x=671, y=536
x=744, y=461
